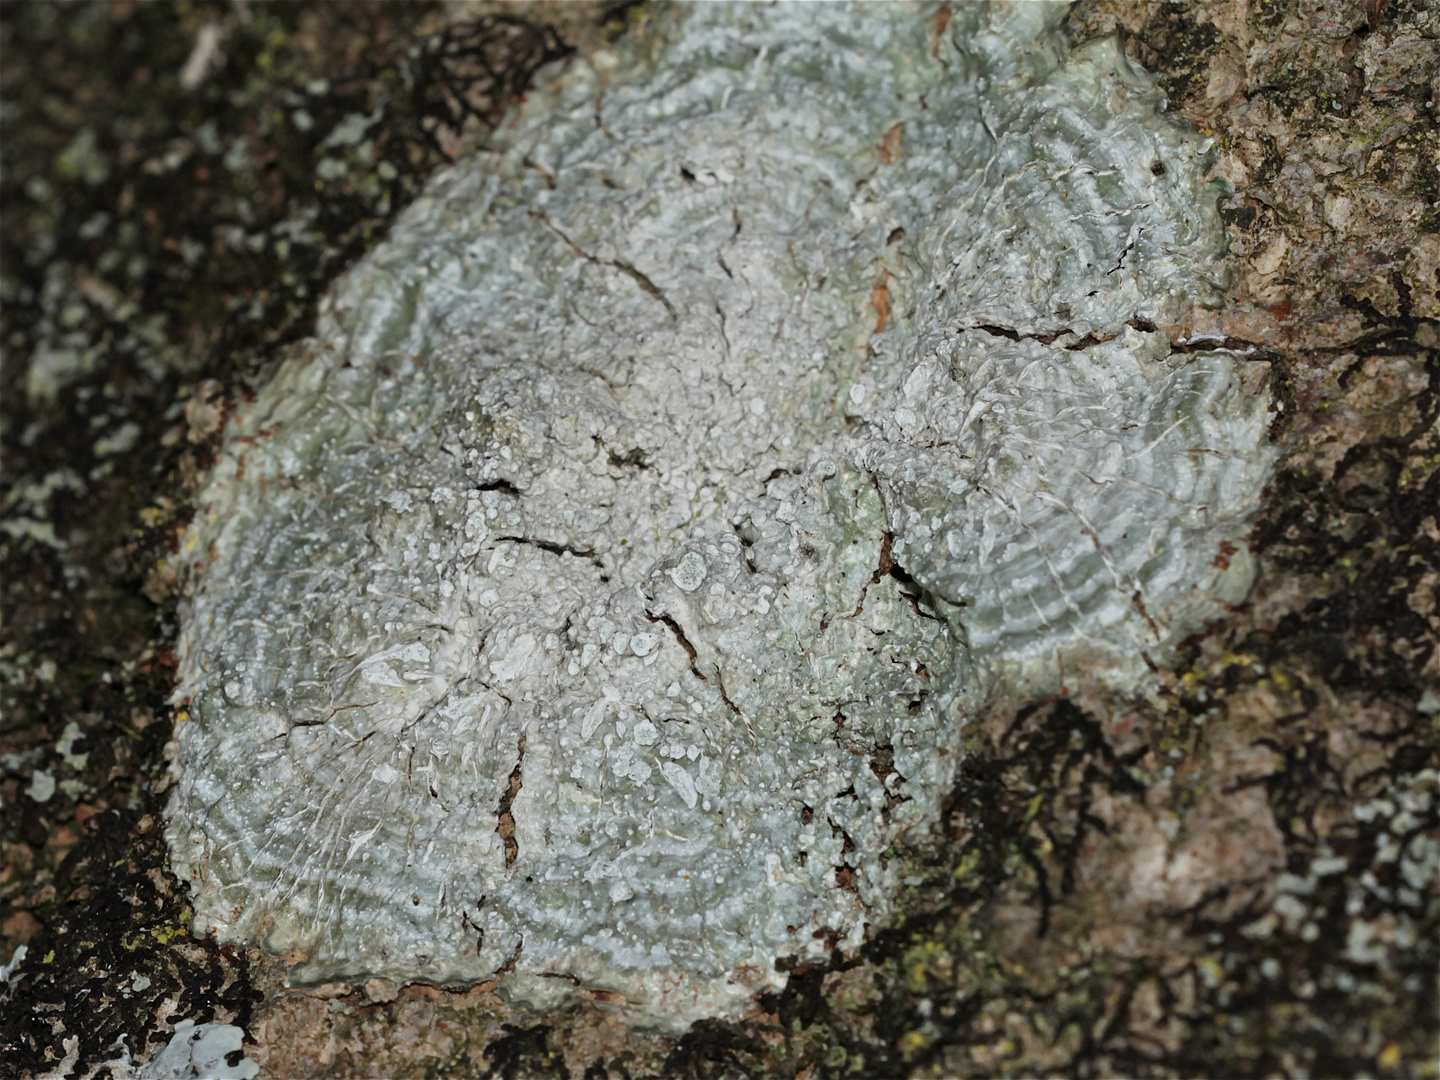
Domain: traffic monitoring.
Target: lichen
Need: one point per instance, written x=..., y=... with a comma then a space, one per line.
x=604, y=591
x=208, y=1051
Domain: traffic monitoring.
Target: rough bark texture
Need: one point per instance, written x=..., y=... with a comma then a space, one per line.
x=1234, y=877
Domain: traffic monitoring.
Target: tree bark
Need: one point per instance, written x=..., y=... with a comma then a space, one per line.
x=1234, y=876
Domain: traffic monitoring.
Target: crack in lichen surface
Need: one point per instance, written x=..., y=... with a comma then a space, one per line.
x=684, y=642
x=624, y=266
x=844, y=468
x=504, y=816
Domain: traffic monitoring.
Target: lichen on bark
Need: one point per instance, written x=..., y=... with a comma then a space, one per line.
x=678, y=461
x=1279, y=774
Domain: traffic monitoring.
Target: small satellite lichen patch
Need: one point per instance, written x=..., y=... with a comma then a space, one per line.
x=606, y=587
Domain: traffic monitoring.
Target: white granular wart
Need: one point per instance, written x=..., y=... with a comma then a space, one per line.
x=604, y=590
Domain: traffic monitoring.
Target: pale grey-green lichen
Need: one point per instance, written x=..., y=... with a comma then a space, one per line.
x=603, y=592
x=207, y=1052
